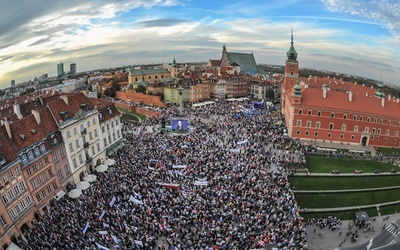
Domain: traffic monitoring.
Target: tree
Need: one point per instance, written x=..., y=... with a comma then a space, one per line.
x=110, y=92
x=115, y=86
x=140, y=88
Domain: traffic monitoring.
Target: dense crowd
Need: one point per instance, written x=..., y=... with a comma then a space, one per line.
x=212, y=188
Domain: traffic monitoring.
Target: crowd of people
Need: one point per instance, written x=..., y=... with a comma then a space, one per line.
x=216, y=187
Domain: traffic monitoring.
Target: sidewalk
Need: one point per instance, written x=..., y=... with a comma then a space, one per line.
x=331, y=240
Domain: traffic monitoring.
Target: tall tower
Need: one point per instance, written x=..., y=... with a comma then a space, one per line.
x=291, y=71
x=60, y=69
x=72, y=68
x=224, y=59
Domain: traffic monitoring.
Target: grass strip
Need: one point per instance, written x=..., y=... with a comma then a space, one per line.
x=343, y=183
x=344, y=215
x=389, y=151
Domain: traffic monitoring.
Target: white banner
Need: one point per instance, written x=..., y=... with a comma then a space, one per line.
x=179, y=166
x=116, y=240
x=200, y=183
x=86, y=227
x=201, y=179
x=236, y=150
x=112, y=201
x=139, y=243
x=134, y=200
x=242, y=142
x=102, y=247
x=106, y=225
x=138, y=195
x=102, y=215
x=103, y=232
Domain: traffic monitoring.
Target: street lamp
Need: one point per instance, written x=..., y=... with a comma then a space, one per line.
x=180, y=90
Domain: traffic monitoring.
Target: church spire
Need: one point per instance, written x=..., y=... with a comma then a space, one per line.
x=292, y=54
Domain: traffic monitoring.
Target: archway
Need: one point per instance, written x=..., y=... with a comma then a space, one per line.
x=364, y=141
x=98, y=162
x=82, y=176
x=24, y=228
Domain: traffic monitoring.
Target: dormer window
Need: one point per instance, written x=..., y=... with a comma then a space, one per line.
x=33, y=132
x=84, y=107
x=42, y=148
x=110, y=111
x=37, y=153
x=101, y=116
x=22, y=136
x=64, y=115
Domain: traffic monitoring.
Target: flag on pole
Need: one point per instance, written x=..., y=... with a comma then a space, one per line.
x=86, y=227
x=112, y=201
x=101, y=246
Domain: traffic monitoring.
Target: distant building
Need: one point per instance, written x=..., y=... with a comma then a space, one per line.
x=60, y=69
x=72, y=68
x=245, y=61
x=12, y=83
x=329, y=109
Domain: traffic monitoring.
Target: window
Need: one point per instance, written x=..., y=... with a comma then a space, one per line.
x=5, y=199
x=103, y=129
x=55, y=156
x=3, y=221
x=366, y=129
x=385, y=141
x=44, y=193
x=380, y=121
x=75, y=131
x=95, y=133
x=307, y=133
x=355, y=128
x=117, y=122
x=60, y=173
x=54, y=185
x=37, y=152
x=62, y=152
x=71, y=149
x=44, y=176
x=68, y=134
x=39, y=180
x=319, y=113
x=93, y=151
x=38, y=198
x=5, y=179
x=16, y=190
x=46, y=159
x=112, y=124
x=17, y=209
x=355, y=117
x=368, y=119
x=389, y=122
x=332, y=115
x=361, y=118
x=379, y=131
x=98, y=147
x=22, y=185
x=118, y=134
x=88, y=123
x=297, y=132
x=74, y=163
x=352, y=137
x=66, y=169
x=30, y=155
x=12, y=213
x=77, y=143
x=397, y=134
x=308, y=125
x=317, y=124
x=110, y=111
x=300, y=111
x=50, y=172
x=310, y=112
x=330, y=126
x=329, y=135
x=28, y=200
x=316, y=134
x=49, y=189
x=11, y=194
x=94, y=120
x=105, y=141
x=42, y=148
x=100, y=116
x=341, y=136
x=345, y=116
x=17, y=171
x=34, y=168
x=23, y=205
x=80, y=159
x=373, y=130
x=24, y=159
x=343, y=127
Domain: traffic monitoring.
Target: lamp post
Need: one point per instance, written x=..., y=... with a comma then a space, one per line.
x=180, y=90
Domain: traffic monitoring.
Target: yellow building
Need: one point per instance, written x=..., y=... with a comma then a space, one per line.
x=171, y=95
x=200, y=91
x=149, y=75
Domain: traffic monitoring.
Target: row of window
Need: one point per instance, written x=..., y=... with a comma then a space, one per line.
x=77, y=144
x=342, y=136
x=60, y=172
x=11, y=174
x=41, y=178
x=82, y=128
x=13, y=193
x=344, y=127
x=80, y=157
x=19, y=208
x=34, y=153
x=109, y=138
x=345, y=116
x=48, y=190
x=34, y=167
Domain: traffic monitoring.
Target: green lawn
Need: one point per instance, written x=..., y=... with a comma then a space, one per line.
x=346, y=215
x=389, y=150
x=318, y=164
x=346, y=199
x=136, y=115
x=392, y=209
x=342, y=183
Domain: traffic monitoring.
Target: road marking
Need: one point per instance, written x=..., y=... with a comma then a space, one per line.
x=393, y=230
x=396, y=224
x=370, y=244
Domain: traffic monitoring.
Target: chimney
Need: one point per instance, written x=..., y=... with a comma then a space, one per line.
x=324, y=93
x=350, y=96
x=7, y=126
x=36, y=114
x=383, y=102
x=65, y=98
x=17, y=110
x=389, y=97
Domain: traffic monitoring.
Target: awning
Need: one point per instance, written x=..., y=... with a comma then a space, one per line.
x=59, y=195
x=115, y=148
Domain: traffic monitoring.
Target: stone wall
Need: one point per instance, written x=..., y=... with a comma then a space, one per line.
x=140, y=98
x=134, y=109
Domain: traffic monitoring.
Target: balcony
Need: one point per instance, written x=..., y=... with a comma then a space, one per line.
x=86, y=145
x=89, y=159
x=83, y=131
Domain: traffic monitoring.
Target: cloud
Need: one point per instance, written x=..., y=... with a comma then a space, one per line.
x=161, y=22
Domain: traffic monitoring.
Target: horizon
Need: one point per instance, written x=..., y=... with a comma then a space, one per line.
x=360, y=39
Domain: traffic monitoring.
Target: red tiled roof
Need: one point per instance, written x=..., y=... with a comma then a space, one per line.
x=6, y=146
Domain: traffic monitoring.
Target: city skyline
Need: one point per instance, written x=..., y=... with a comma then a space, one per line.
x=360, y=38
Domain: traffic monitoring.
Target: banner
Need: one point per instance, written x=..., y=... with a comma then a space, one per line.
x=106, y=225
x=153, y=160
x=139, y=243
x=179, y=166
x=86, y=227
x=236, y=150
x=102, y=247
x=102, y=215
x=171, y=185
x=112, y=201
x=115, y=239
x=103, y=232
x=138, y=195
x=200, y=183
x=134, y=200
x=242, y=142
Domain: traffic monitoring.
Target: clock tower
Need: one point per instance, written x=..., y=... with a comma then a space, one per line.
x=291, y=71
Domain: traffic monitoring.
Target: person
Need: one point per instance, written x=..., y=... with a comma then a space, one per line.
x=179, y=126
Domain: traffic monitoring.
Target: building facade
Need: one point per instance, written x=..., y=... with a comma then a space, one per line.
x=60, y=69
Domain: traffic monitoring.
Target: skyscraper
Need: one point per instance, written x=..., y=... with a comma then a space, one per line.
x=12, y=83
x=72, y=68
x=60, y=69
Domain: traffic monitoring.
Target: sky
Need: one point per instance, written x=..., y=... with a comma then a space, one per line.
x=354, y=37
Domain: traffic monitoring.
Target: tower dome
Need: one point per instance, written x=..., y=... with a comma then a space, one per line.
x=291, y=54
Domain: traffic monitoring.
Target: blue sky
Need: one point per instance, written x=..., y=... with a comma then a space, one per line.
x=355, y=37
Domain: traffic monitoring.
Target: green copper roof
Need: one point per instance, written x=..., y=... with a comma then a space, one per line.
x=246, y=62
x=292, y=54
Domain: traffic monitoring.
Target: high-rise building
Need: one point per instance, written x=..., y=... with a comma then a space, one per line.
x=72, y=68
x=12, y=83
x=60, y=69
